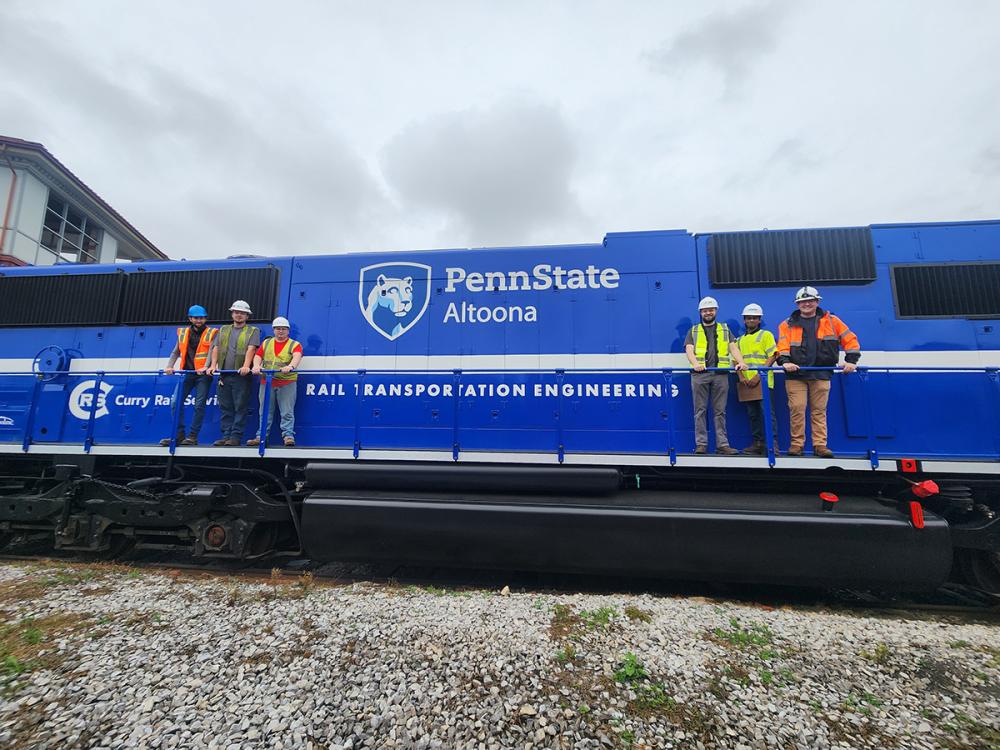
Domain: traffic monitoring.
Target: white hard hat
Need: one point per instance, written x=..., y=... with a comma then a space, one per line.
x=240, y=306
x=753, y=309
x=807, y=293
x=707, y=302
x=280, y=323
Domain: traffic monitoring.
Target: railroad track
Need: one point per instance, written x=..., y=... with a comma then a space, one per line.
x=951, y=599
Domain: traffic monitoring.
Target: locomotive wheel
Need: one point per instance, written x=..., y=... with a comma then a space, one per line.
x=5, y=540
x=981, y=568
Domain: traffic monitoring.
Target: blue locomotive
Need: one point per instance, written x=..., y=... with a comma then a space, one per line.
x=524, y=407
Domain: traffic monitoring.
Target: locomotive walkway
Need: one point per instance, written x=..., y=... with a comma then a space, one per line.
x=113, y=657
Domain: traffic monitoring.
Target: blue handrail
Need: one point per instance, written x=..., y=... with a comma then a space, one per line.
x=668, y=374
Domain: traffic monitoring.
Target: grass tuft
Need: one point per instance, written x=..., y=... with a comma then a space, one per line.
x=630, y=669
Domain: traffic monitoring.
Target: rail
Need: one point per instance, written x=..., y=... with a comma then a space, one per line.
x=668, y=374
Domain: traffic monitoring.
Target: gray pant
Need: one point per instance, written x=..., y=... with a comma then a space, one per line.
x=715, y=384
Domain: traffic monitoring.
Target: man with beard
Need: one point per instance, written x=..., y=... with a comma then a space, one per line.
x=812, y=337
x=232, y=353
x=710, y=349
x=191, y=354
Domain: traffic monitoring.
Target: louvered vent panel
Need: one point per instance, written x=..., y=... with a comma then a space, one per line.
x=66, y=300
x=954, y=290
x=802, y=256
x=163, y=297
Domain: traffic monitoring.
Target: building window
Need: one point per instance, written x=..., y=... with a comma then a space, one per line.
x=69, y=234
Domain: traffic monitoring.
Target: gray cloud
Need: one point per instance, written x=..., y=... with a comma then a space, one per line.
x=226, y=127
x=730, y=42
x=262, y=174
x=791, y=158
x=795, y=156
x=497, y=173
x=988, y=161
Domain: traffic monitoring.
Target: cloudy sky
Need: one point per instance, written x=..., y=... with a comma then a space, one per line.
x=309, y=127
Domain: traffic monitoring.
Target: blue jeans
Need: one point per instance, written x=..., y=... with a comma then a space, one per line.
x=200, y=385
x=234, y=395
x=282, y=400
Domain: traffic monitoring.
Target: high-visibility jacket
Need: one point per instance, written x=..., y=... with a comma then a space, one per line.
x=722, y=339
x=246, y=333
x=204, y=344
x=832, y=334
x=272, y=361
x=757, y=349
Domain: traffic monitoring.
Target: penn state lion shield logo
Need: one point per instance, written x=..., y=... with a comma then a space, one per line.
x=394, y=296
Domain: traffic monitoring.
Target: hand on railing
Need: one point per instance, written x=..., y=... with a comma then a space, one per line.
x=210, y=371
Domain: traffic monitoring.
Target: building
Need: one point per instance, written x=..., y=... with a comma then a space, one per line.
x=50, y=216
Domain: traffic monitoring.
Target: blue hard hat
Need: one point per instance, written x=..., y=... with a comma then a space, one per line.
x=197, y=311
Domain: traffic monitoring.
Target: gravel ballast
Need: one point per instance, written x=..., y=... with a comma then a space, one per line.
x=102, y=656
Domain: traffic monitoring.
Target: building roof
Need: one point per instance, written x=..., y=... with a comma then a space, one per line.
x=10, y=147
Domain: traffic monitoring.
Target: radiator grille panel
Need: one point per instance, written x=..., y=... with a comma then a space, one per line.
x=953, y=290
x=138, y=298
x=801, y=256
x=161, y=298
x=65, y=300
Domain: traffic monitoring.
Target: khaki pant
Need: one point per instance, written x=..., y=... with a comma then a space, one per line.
x=817, y=392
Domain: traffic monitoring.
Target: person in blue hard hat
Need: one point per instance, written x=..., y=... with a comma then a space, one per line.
x=190, y=355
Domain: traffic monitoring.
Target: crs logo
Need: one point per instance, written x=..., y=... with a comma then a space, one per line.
x=394, y=296
x=81, y=400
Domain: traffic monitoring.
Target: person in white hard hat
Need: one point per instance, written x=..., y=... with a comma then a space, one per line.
x=232, y=358
x=282, y=355
x=758, y=348
x=710, y=345
x=812, y=337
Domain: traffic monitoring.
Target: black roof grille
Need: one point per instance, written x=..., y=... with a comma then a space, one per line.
x=790, y=257
x=60, y=300
x=163, y=297
x=947, y=290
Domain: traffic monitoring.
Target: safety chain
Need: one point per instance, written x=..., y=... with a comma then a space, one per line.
x=123, y=488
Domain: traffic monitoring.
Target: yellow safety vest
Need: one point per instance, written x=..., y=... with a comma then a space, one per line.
x=272, y=361
x=246, y=332
x=756, y=349
x=721, y=343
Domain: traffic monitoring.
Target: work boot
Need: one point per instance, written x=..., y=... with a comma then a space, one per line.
x=700, y=449
x=232, y=441
x=190, y=440
x=289, y=441
x=794, y=451
x=221, y=442
x=166, y=441
x=726, y=450
x=757, y=449
x=821, y=451
x=253, y=442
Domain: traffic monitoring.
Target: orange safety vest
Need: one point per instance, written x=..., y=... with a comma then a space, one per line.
x=204, y=345
x=832, y=334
